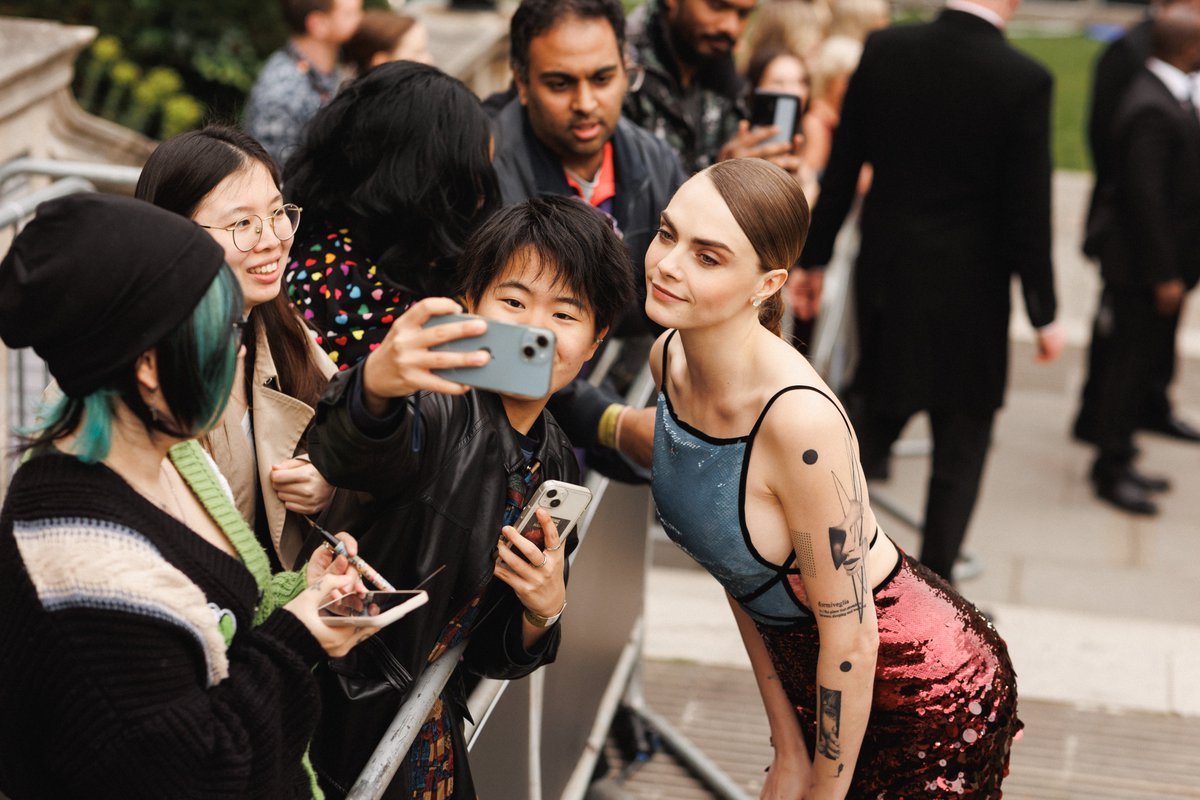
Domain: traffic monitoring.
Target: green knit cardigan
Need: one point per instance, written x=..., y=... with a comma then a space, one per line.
x=275, y=590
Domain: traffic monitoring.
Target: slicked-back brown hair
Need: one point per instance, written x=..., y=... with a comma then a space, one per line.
x=770, y=208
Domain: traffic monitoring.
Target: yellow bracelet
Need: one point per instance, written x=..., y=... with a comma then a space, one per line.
x=606, y=431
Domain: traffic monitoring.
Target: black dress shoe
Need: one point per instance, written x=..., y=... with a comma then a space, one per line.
x=1126, y=495
x=1151, y=483
x=1173, y=427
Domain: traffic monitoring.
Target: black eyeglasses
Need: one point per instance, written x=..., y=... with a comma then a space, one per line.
x=247, y=231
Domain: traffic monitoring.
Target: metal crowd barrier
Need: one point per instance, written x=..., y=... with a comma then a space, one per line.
x=104, y=175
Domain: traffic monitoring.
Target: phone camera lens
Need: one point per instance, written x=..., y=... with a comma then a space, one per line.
x=542, y=341
x=529, y=351
x=551, y=492
x=555, y=503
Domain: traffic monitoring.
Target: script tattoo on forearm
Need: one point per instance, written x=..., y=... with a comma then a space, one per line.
x=829, y=724
x=848, y=544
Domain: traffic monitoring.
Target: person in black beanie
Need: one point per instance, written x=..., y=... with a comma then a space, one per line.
x=129, y=664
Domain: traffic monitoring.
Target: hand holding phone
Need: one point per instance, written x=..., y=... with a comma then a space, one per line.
x=372, y=610
x=521, y=357
x=566, y=504
x=536, y=576
x=777, y=109
x=406, y=359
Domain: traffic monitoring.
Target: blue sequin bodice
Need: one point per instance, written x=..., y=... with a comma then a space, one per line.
x=699, y=488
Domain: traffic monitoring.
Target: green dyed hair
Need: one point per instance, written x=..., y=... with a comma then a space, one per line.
x=196, y=364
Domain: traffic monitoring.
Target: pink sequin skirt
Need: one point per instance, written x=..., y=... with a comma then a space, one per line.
x=944, y=708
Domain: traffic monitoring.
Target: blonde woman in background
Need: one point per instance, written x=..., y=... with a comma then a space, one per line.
x=777, y=69
x=858, y=18
x=798, y=26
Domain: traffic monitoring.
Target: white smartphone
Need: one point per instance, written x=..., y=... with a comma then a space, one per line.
x=373, y=610
x=566, y=503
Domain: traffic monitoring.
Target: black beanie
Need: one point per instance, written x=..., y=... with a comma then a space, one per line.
x=95, y=280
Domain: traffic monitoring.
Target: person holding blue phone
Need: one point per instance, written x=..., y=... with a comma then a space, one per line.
x=451, y=467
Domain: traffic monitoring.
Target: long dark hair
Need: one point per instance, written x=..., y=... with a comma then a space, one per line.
x=402, y=156
x=178, y=176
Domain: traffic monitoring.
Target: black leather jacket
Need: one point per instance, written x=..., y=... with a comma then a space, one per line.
x=438, y=469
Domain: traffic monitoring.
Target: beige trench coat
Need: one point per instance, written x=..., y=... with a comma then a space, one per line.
x=280, y=423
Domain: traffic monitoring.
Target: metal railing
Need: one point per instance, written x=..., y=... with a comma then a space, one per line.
x=103, y=175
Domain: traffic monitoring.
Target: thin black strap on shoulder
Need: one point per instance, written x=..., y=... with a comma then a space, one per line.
x=763, y=415
x=666, y=346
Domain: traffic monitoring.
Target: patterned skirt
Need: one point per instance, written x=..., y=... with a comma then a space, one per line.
x=944, y=708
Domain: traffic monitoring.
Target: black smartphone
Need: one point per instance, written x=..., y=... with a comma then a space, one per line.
x=776, y=108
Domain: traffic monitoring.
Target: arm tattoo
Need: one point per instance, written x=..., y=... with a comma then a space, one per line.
x=804, y=554
x=848, y=542
x=829, y=724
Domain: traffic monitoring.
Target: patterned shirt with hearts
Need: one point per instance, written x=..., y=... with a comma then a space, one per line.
x=342, y=294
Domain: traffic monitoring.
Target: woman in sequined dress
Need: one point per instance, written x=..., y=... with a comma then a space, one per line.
x=878, y=680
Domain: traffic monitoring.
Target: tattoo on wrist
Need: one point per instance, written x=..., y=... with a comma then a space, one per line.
x=829, y=723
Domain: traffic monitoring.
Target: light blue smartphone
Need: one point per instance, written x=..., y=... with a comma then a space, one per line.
x=522, y=357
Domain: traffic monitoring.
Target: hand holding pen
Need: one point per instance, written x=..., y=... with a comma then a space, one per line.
x=339, y=549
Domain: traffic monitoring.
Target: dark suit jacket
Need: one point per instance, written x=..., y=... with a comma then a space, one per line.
x=957, y=125
x=1154, y=199
x=1115, y=68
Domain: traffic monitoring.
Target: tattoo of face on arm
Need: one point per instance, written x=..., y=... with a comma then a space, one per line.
x=848, y=543
x=829, y=724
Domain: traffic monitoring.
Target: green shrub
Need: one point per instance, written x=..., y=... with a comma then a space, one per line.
x=212, y=48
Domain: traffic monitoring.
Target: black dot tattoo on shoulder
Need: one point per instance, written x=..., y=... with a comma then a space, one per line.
x=810, y=457
x=845, y=666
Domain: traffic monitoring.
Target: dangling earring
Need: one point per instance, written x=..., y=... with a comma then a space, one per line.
x=756, y=302
x=153, y=415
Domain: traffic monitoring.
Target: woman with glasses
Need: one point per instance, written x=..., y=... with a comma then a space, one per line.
x=225, y=181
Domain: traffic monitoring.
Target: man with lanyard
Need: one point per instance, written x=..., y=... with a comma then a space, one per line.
x=563, y=135
x=302, y=76
x=691, y=96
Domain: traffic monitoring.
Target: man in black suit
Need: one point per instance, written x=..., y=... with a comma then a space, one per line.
x=1120, y=62
x=957, y=126
x=1150, y=248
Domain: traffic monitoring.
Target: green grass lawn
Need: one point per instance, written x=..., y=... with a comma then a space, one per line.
x=1071, y=59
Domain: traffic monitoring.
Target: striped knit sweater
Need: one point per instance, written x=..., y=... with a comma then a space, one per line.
x=129, y=662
